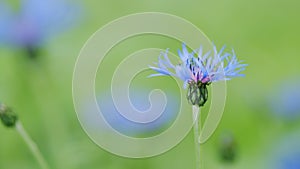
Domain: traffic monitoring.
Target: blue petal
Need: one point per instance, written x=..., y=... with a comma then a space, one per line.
x=158, y=74
x=165, y=72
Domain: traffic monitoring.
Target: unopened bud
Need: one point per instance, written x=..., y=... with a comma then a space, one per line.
x=7, y=116
x=228, y=148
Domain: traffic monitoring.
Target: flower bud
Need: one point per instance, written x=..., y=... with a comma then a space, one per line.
x=7, y=116
x=228, y=148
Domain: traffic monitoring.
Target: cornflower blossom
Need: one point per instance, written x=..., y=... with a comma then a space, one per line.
x=198, y=69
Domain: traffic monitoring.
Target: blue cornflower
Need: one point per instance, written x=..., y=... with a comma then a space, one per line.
x=198, y=69
x=34, y=22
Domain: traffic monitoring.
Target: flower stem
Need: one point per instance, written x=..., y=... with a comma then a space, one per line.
x=197, y=130
x=32, y=145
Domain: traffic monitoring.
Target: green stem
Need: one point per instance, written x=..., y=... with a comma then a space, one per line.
x=32, y=146
x=197, y=130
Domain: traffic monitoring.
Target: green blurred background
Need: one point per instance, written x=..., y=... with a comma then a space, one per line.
x=265, y=34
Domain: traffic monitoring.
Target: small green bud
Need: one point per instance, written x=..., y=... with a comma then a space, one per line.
x=228, y=148
x=7, y=116
x=197, y=93
x=32, y=52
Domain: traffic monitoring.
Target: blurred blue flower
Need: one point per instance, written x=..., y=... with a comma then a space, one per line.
x=35, y=21
x=285, y=100
x=200, y=67
x=290, y=161
x=139, y=100
x=286, y=155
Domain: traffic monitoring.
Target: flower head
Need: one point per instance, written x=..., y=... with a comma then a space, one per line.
x=198, y=69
